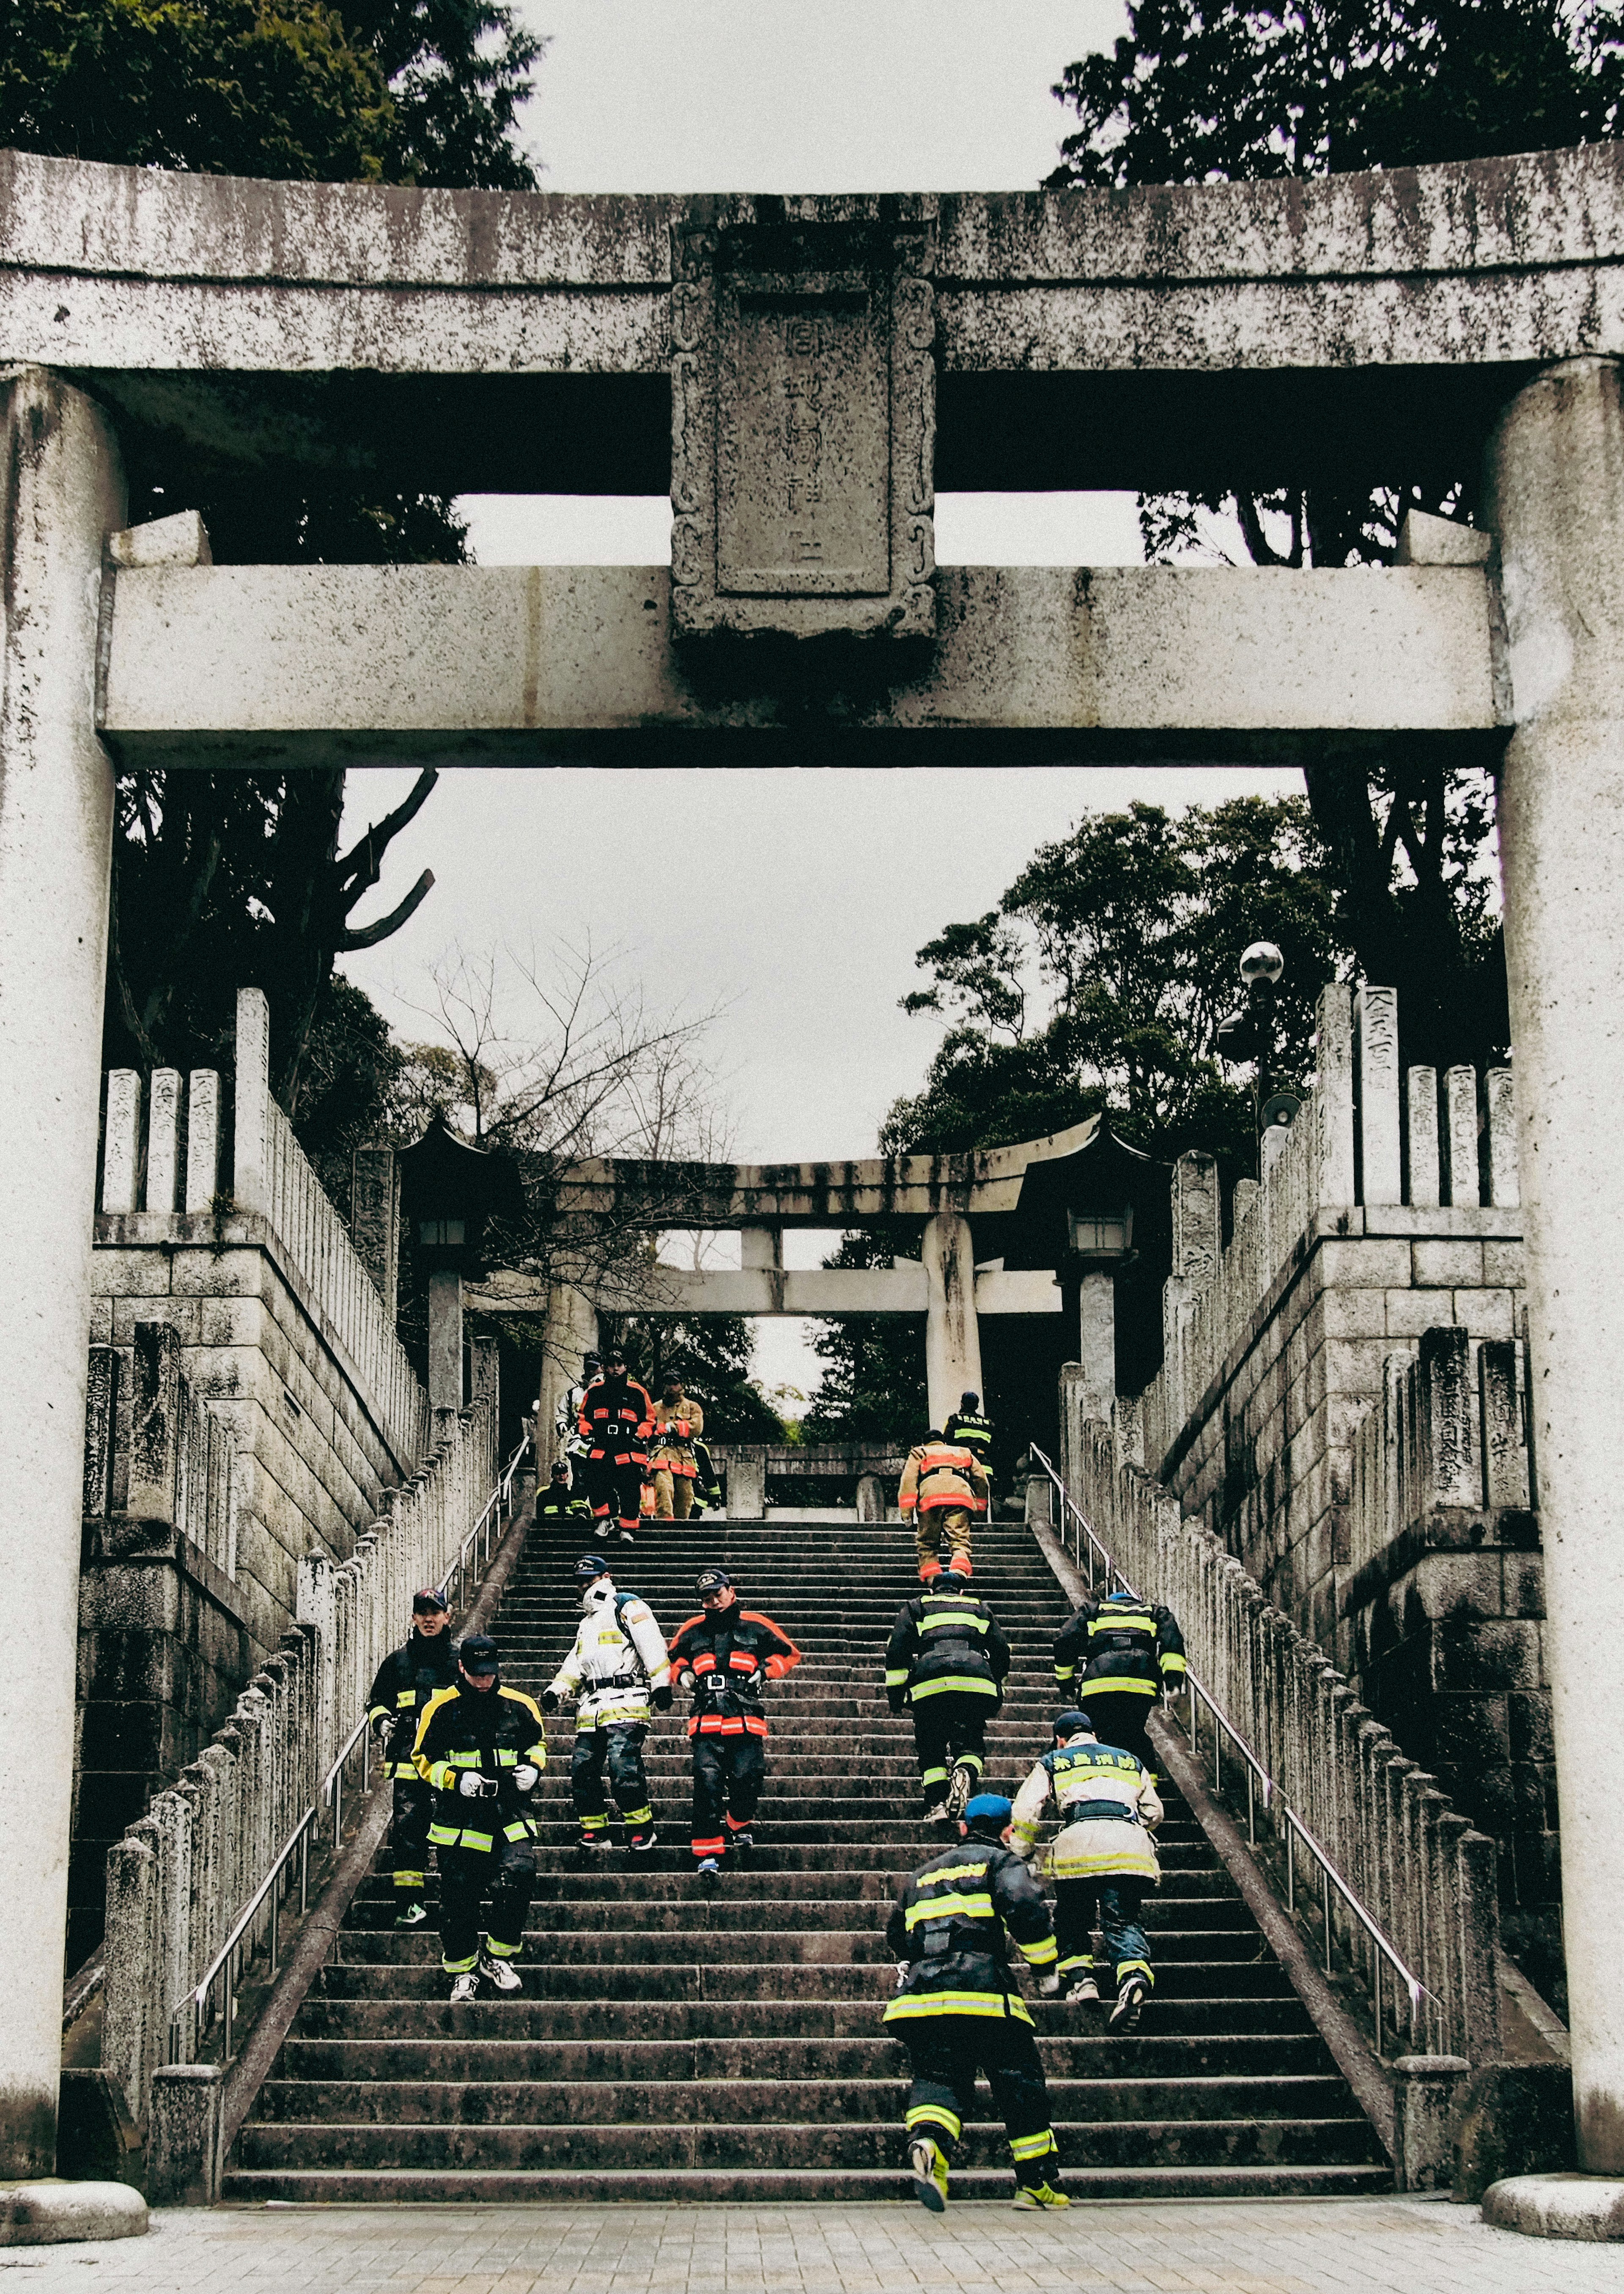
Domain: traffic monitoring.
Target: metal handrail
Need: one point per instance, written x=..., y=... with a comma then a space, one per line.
x=331, y=1792
x=1257, y=1777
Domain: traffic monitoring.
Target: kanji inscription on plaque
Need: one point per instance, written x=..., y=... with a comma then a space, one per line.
x=803, y=430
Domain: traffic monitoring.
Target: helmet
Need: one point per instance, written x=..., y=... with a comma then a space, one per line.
x=970, y=1400
x=590, y=1565
x=1067, y=1724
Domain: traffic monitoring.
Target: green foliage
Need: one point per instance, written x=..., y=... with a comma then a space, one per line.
x=872, y=1388
x=1196, y=93
x=1132, y=927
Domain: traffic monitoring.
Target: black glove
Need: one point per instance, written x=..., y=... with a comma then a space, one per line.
x=549, y=1700
x=662, y=1698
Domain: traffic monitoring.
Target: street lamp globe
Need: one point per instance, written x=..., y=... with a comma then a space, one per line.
x=1262, y=961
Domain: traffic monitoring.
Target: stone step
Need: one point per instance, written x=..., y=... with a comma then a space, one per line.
x=727, y=1912
x=1227, y=1989
x=864, y=1946
x=776, y=2186
x=390, y=2012
x=602, y=2103
x=864, y=2144
x=1142, y=2055
x=611, y=1878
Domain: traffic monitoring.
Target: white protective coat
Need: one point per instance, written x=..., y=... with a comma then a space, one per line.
x=607, y=1649
x=1096, y=1847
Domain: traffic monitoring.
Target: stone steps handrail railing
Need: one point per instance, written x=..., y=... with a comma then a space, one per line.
x=178, y=1881
x=1366, y=1135
x=1423, y=1877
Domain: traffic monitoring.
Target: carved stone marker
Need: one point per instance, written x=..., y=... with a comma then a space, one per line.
x=803, y=428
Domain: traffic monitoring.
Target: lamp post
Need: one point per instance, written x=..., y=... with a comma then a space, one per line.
x=1250, y=1033
x=450, y=1190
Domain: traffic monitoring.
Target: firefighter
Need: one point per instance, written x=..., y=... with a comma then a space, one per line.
x=706, y=1483
x=956, y=2011
x=617, y=1670
x=1104, y=1855
x=483, y=1748
x=558, y=1501
x=616, y=1420
x=567, y=1423
x=942, y=1488
x=971, y=1431
x=947, y=1658
x=408, y=1677
x=1116, y=1656
x=725, y=1656
x=678, y=1422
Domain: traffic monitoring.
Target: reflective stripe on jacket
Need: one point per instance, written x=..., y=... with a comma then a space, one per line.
x=945, y=1642
x=1086, y=1782
x=971, y=1432
x=731, y=1654
x=941, y=1474
x=616, y=1420
x=951, y=1924
x=495, y=1732
x=619, y=1656
x=1119, y=1647
x=677, y=1426
x=406, y=1679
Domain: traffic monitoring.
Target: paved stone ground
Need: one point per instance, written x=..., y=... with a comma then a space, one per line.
x=1238, y=2246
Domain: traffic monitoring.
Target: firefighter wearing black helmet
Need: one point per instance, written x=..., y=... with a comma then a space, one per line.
x=725, y=1656
x=1117, y=1657
x=946, y=1659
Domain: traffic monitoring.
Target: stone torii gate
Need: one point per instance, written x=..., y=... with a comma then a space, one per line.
x=801, y=373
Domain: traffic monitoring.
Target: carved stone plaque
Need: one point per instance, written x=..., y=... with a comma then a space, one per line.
x=803, y=410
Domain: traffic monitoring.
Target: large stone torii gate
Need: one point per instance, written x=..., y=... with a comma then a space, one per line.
x=800, y=372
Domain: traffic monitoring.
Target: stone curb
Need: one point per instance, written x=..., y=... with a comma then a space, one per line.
x=51, y=2213
x=1557, y=2206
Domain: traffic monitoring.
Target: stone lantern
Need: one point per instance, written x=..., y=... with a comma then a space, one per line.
x=450, y=1192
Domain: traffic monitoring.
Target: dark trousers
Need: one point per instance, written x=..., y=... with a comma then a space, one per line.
x=617, y=1491
x=1126, y=1945
x=506, y=1873
x=621, y=1750
x=1120, y=1720
x=948, y=1728
x=947, y=2051
x=414, y=1807
x=728, y=1774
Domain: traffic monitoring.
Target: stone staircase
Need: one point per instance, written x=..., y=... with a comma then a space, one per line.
x=671, y=2044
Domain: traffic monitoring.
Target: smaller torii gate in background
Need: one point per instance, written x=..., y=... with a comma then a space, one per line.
x=801, y=373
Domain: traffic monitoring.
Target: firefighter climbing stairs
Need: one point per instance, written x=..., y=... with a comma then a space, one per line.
x=674, y=2043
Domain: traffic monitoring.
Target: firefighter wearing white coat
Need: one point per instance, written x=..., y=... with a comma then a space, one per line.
x=1104, y=1854
x=618, y=1674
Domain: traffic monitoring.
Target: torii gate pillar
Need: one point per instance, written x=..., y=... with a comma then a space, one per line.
x=61, y=491
x=953, y=1336
x=1556, y=482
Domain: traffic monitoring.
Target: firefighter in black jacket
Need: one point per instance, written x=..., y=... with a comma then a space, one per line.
x=483, y=1748
x=971, y=1430
x=1118, y=1657
x=559, y=1502
x=957, y=2011
x=408, y=1677
x=725, y=1656
x=616, y=1421
x=948, y=1659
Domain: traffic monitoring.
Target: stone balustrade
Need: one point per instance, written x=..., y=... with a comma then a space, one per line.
x=1425, y=1875
x=180, y=1877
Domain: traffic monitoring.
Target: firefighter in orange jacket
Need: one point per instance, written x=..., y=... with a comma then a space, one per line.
x=725, y=1656
x=942, y=1488
x=679, y=1423
x=616, y=1421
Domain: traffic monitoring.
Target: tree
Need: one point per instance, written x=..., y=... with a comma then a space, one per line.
x=1196, y=93
x=1132, y=927
x=230, y=880
x=873, y=1387
x=711, y=1355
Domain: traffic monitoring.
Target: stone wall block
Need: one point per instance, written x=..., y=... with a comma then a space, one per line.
x=1451, y=1265
x=1376, y=1031
x=1448, y=1416
x=202, y=1139
x=185, y=2148
x=121, y=1142
x=1504, y=1436
x=163, y=1141
x=250, y=1174
x=1462, y=1183
x=1423, y=1166
x=1500, y=1116
x=155, y=1369
x=1333, y=1102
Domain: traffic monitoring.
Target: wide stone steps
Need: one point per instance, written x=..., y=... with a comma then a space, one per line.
x=671, y=2044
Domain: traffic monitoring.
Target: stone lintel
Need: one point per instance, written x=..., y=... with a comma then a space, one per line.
x=318, y=664
x=899, y=1289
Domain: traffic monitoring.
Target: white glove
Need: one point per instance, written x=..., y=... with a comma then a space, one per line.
x=471, y=1785
x=526, y=1776
x=1047, y=1985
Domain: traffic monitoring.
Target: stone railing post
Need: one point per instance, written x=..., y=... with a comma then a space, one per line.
x=250, y=1171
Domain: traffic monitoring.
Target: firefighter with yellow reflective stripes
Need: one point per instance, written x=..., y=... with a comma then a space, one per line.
x=408, y=1677
x=948, y=1659
x=1118, y=1657
x=957, y=2011
x=483, y=1748
x=1103, y=1854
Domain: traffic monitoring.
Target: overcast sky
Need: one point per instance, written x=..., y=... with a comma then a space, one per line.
x=798, y=899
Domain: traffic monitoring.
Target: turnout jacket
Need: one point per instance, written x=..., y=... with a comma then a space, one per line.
x=950, y=1925
x=677, y=1426
x=1120, y=1647
x=553, y=1504
x=406, y=1679
x=729, y=1655
x=942, y=1643
x=495, y=1733
x=619, y=1656
x=941, y=1474
x=616, y=1420
x=970, y=1431
x=1107, y=1809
